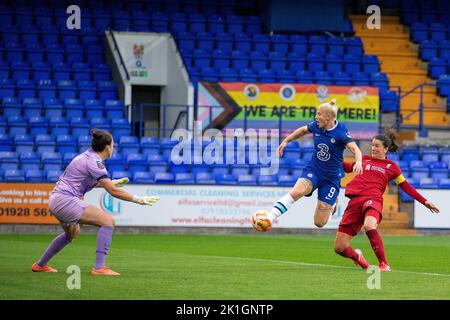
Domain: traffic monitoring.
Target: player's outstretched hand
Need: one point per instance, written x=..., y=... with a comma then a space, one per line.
x=148, y=200
x=281, y=148
x=431, y=206
x=119, y=183
x=357, y=168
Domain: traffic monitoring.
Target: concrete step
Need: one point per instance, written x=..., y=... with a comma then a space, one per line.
x=407, y=81
x=431, y=118
x=397, y=232
x=396, y=216
x=412, y=101
x=380, y=45
x=394, y=224
x=383, y=34
x=360, y=18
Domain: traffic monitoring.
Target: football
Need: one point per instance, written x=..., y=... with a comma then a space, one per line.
x=261, y=221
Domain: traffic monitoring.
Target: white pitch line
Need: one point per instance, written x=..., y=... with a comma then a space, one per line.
x=326, y=265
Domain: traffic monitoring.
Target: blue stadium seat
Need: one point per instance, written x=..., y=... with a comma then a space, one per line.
x=429, y=155
x=26, y=88
x=419, y=31
x=164, y=178
x=205, y=178
x=444, y=183
x=419, y=173
x=14, y=175
x=141, y=177
x=73, y=108
x=17, y=125
x=68, y=157
x=120, y=127
x=30, y=161
x=149, y=145
x=226, y=179
x=100, y=123
x=389, y=100
x=116, y=162
x=428, y=50
x=87, y=90
x=286, y=180
x=268, y=180
x=184, y=178
x=114, y=109
x=107, y=90
x=438, y=66
x=121, y=174
x=58, y=125
x=336, y=46
x=9, y=159
x=156, y=163
x=38, y=125
x=428, y=183
x=34, y=175
x=79, y=126
x=136, y=162
x=53, y=108
x=247, y=180
x=7, y=86
x=23, y=143
x=66, y=143
x=128, y=145
x=444, y=85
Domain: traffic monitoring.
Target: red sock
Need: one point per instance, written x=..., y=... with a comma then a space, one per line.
x=377, y=244
x=349, y=253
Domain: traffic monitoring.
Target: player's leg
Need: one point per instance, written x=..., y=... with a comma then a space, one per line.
x=350, y=225
x=96, y=217
x=301, y=188
x=328, y=193
x=58, y=243
x=371, y=221
x=67, y=210
x=322, y=213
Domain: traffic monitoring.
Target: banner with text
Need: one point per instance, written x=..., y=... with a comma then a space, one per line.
x=223, y=104
x=25, y=203
x=204, y=206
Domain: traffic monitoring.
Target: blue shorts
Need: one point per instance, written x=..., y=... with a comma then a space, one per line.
x=328, y=189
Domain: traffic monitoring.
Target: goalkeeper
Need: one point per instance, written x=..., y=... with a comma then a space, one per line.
x=85, y=172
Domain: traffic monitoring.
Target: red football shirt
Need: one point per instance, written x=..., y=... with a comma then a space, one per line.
x=376, y=176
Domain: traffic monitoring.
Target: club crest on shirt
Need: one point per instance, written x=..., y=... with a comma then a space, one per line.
x=100, y=165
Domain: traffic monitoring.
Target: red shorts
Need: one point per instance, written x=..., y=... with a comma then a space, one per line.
x=356, y=212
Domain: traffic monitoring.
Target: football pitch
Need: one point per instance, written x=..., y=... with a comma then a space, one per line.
x=224, y=267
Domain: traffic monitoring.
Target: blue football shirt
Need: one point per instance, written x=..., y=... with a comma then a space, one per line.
x=329, y=149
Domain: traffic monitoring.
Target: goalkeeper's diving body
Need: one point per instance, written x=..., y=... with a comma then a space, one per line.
x=85, y=172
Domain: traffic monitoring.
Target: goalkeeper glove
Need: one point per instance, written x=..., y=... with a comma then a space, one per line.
x=119, y=183
x=148, y=200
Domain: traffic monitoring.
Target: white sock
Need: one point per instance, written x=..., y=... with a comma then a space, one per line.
x=281, y=206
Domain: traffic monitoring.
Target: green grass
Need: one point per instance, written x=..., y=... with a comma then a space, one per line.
x=226, y=267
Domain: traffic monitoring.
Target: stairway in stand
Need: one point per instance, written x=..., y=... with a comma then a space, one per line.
x=399, y=59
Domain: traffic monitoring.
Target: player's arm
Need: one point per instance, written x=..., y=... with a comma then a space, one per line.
x=411, y=191
x=298, y=133
x=117, y=182
x=353, y=147
x=121, y=194
x=348, y=166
